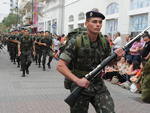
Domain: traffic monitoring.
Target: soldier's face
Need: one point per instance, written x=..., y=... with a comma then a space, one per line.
x=94, y=25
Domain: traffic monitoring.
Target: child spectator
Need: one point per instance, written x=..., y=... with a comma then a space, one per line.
x=133, y=69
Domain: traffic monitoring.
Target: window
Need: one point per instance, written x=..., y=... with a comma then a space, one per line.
x=54, y=26
x=111, y=26
x=112, y=9
x=138, y=22
x=70, y=27
x=136, y=4
x=81, y=25
x=41, y=26
x=81, y=16
x=71, y=18
x=49, y=26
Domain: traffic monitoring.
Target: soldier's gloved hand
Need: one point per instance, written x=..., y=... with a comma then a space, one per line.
x=83, y=82
x=120, y=52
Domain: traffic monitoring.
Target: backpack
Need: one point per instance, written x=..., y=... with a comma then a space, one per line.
x=77, y=34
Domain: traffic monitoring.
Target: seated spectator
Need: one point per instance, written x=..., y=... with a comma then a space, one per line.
x=135, y=80
x=135, y=52
x=133, y=69
x=110, y=71
x=122, y=66
x=145, y=52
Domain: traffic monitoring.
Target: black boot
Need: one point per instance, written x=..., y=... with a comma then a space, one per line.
x=44, y=68
x=27, y=71
x=49, y=66
x=23, y=74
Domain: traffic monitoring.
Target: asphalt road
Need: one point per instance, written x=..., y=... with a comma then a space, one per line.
x=43, y=92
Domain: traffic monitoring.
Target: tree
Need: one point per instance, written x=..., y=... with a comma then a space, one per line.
x=3, y=28
x=11, y=19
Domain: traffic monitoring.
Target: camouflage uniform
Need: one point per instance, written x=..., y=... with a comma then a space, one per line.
x=12, y=48
x=146, y=83
x=26, y=52
x=46, y=50
x=84, y=57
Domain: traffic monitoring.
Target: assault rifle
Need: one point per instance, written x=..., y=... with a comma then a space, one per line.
x=71, y=99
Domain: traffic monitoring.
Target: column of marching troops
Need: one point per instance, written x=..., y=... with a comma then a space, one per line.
x=25, y=47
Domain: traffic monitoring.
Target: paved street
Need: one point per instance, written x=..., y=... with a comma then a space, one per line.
x=43, y=92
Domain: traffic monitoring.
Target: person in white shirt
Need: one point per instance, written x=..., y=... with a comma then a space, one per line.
x=117, y=43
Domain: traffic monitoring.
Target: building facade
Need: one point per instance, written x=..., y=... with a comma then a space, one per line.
x=125, y=16
x=51, y=18
x=25, y=11
x=61, y=16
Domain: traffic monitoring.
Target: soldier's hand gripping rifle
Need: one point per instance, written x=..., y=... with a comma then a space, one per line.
x=71, y=99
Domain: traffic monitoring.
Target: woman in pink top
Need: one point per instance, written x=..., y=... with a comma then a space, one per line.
x=135, y=51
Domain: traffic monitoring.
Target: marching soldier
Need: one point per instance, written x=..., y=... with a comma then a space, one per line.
x=25, y=48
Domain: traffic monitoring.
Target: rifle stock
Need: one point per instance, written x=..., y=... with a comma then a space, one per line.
x=71, y=99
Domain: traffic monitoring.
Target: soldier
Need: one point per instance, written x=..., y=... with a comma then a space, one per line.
x=85, y=52
x=145, y=86
x=40, y=47
x=24, y=51
x=37, y=48
x=45, y=44
x=13, y=47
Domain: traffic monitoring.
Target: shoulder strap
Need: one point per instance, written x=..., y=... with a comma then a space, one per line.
x=103, y=41
x=86, y=41
x=82, y=39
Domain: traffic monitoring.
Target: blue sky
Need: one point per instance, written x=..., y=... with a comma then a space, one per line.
x=4, y=8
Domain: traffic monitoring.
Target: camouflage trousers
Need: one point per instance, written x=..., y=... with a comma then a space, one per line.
x=102, y=102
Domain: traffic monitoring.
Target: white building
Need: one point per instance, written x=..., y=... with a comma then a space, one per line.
x=125, y=16
x=52, y=16
x=25, y=11
x=61, y=16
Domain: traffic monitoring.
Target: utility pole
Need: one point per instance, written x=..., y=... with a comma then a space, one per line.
x=32, y=10
x=17, y=14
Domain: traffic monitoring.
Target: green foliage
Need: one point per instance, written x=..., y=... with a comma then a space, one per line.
x=10, y=20
x=3, y=28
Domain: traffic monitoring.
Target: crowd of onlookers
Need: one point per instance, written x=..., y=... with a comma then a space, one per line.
x=127, y=71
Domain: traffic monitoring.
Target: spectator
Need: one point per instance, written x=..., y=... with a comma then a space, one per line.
x=133, y=69
x=135, y=51
x=117, y=41
x=110, y=71
x=122, y=66
x=145, y=53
